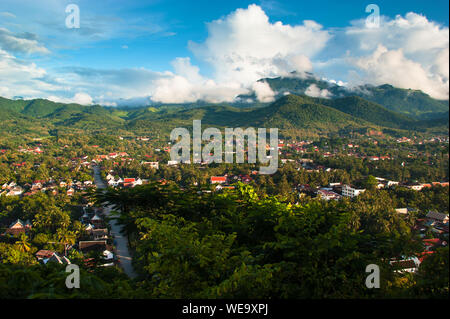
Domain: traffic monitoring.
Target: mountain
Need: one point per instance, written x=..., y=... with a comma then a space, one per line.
x=413, y=103
x=369, y=111
x=293, y=113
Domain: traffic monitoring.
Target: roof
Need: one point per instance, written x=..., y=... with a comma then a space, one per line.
x=96, y=217
x=436, y=215
x=101, y=231
x=44, y=254
x=99, y=245
x=218, y=179
x=404, y=264
x=18, y=221
x=59, y=260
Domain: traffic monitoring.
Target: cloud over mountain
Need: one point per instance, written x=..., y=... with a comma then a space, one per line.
x=240, y=48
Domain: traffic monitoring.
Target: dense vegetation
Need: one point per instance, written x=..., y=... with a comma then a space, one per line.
x=240, y=245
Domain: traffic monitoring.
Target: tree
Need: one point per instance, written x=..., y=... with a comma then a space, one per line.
x=23, y=244
x=370, y=182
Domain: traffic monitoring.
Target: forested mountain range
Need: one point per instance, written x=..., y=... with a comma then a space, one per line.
x=288, y=112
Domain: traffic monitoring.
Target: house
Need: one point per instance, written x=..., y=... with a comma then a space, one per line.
x=97, y=221
x=15, y=191
x=137, y=182
x=351, y=192
x=57, y=259
x=115, y=183
x=437, y=217
x=328, y=194
x=70, y=192
x=221, y=187
x=218, y=179
x=406, y=265
x=46, y=256
x=93, y=245
x=431, y=244
x=99, y=234
x=18, y=227
x=108, y=255
x=154, y=165
x=402, y=211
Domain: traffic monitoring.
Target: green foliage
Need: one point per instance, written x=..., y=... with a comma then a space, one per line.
x=238, y=245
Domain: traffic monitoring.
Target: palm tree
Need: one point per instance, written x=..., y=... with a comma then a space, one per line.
x=23, y=244
x=66, y=238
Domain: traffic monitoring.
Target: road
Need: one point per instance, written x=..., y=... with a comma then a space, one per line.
x=121, y=241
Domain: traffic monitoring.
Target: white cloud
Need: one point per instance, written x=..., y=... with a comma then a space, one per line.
x=20, y=43
x=264, y=92
x=408, y=52
x=244, y=46
x=82, y=98
x=79, y=98
x=391, y=66
x=314, y=91
x=7, y=14
x=18, y=77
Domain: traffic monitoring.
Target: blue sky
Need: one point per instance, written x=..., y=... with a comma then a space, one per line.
x=180, y=51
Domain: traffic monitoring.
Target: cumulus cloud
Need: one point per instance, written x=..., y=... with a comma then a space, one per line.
x=391, y=66
x=79, y=98
x=21, y=43
x=263, y=92
x=408, y=52
x=241, y=48
x=246, y=46
x=18, y=77
x=314, y=91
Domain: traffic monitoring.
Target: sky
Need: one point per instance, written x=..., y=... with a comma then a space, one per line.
x=136, y=51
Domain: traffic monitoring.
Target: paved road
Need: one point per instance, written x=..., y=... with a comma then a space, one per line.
x=122, y=250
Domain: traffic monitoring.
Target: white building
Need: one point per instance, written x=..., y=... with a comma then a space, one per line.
x=351, y=192
x=154, y=165
x=137, y=182
x=114, y=183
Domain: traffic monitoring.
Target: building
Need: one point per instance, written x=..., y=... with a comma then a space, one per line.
x=437, y=217
x=18, y=227
x=328, y=194
x=406, y=265
x=93, y=245
x=351, y=192
x=46, y=256
x=154, y=165
x=402, y=211
x=218, y=179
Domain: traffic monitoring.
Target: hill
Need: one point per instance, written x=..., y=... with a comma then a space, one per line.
x=413, y=103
